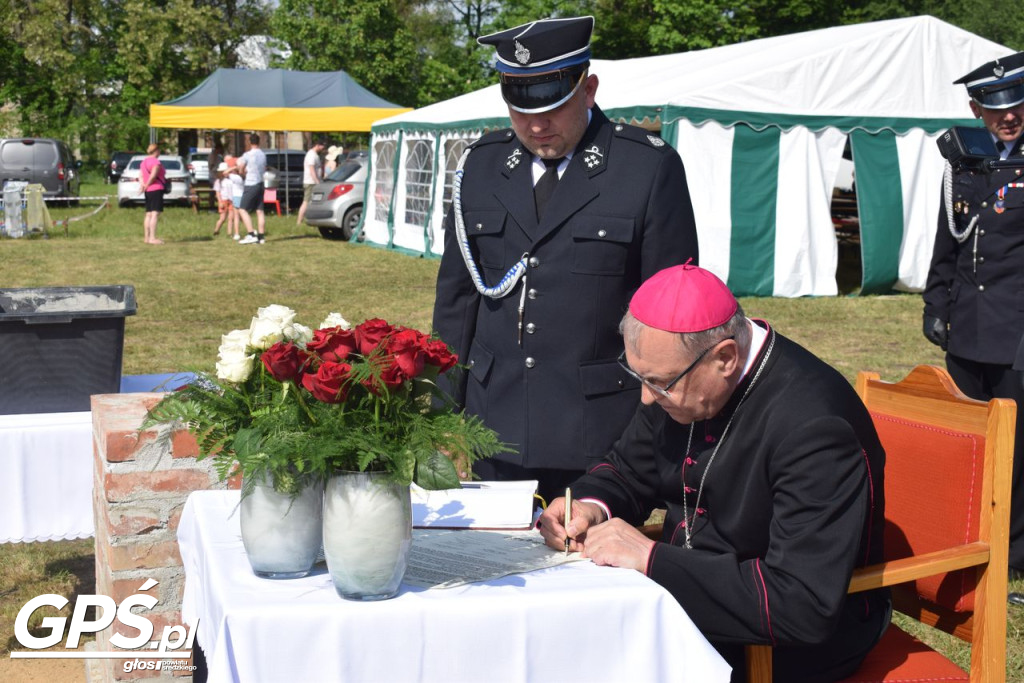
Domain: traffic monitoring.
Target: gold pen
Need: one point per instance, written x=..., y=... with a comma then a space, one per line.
x=568, y=517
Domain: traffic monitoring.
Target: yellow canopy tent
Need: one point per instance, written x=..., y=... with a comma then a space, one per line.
x=275, y=99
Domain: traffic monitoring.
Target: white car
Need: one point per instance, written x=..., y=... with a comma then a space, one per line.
x=129, y=192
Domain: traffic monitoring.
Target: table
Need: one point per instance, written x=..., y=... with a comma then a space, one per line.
x=524, y=627
x=204, y=197
x=46, y=468
x=46, y=474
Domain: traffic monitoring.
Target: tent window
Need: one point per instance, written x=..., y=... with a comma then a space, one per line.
x=419, y=165
x=453, y=149
x=384, y=180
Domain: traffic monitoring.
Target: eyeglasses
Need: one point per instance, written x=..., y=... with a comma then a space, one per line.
x=664, y=391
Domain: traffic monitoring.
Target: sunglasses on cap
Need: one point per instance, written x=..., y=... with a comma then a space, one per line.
x=543, y=92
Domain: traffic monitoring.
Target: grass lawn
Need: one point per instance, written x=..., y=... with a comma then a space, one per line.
x=196, y=287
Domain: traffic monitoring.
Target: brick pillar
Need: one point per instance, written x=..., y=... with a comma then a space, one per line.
x=141, y=482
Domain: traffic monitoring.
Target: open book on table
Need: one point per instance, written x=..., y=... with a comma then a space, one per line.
x=477, y=505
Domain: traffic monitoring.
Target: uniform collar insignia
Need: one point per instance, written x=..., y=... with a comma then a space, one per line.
x=522, y=54
x=593, y=157
x=513, y=159
x=655, y=140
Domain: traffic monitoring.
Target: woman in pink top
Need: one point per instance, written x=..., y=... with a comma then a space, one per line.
x=152, y=180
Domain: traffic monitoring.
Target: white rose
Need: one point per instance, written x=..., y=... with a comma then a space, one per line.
x=264, y=333
x=335, y=320
x=234, y=363
x=235, y=368
x=234, y=340
x=282, y=315
x=300, y=334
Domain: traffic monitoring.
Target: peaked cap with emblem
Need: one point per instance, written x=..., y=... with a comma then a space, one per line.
x=541, y=64
x=998, y=84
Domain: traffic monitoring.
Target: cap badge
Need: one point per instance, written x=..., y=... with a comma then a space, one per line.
x=998, y=70
x=655, y=140
x=522, y=54
x=593, y=157
x=513, y=159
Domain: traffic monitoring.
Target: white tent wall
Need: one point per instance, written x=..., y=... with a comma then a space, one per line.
x=760, y=127
x=920, y=179
x=412, y=215
x=379, y=198
x=806, y=252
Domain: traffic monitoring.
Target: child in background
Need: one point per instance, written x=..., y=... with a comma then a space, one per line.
x=237, y=183
x=218, y=184
x=224, y=206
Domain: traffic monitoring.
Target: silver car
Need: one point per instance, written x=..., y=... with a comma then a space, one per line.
x=198, y=164
x=337, y=203
x=129, y=192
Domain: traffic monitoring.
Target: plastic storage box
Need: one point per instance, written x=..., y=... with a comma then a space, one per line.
x=60, y=345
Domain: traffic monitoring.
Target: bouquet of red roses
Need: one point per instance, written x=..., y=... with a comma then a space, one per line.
x=325, y=401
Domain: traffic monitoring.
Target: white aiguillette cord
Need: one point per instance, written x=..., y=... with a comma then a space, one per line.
x=516, y=273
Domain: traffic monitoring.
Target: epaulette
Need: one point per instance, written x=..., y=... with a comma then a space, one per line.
x=502, y=135
x=641, y=136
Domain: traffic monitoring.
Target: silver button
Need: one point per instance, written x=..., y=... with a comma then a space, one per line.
x=984, y=205
x=981, y=232
x=479, y=226
x=508, y=133
x=981, y=288
x=532, y=294
x=621, y=384
x=530, y=362
x=602, y=233
x=618, y=126
x=534, y=261
x=981, y=259
x=471, y=362
x=530, y=328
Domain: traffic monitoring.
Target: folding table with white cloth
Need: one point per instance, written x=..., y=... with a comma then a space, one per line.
x=573, y=622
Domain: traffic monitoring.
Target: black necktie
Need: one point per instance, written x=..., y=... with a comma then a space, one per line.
x=1001, y=147
x=545, y=187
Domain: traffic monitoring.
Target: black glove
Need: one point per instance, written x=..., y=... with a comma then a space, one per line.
x=936, y=331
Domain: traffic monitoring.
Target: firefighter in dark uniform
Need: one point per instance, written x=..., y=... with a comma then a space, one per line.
x=533, y=280
x=974, y=296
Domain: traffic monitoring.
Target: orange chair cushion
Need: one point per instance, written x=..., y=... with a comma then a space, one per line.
x=953, y=470
x=901, y=658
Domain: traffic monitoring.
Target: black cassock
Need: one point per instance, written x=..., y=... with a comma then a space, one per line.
x=791, y=504
x=620, y=213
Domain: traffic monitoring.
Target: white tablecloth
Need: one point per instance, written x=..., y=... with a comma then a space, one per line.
x=46, y=468
x=46, y=473
x=575, y=622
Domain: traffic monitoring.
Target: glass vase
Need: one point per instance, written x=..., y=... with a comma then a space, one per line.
x=282, y=534
x=367, y=534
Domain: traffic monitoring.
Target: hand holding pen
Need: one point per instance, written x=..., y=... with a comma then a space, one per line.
x=568, y=517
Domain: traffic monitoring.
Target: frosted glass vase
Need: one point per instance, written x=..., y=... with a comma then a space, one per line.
x=367, y=534
x=282, y=534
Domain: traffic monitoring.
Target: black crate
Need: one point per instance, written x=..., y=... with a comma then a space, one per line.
x=60, y=345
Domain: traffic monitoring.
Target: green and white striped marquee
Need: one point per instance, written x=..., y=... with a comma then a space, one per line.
x=761, y=127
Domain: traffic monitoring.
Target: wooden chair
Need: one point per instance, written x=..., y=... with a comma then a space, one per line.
x=947, y=494
x=270, y=197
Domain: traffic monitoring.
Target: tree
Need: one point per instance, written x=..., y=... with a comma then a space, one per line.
x=367, y=39
x=87, y=70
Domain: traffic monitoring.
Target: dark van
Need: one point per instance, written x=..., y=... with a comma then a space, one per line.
x=45, y=161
